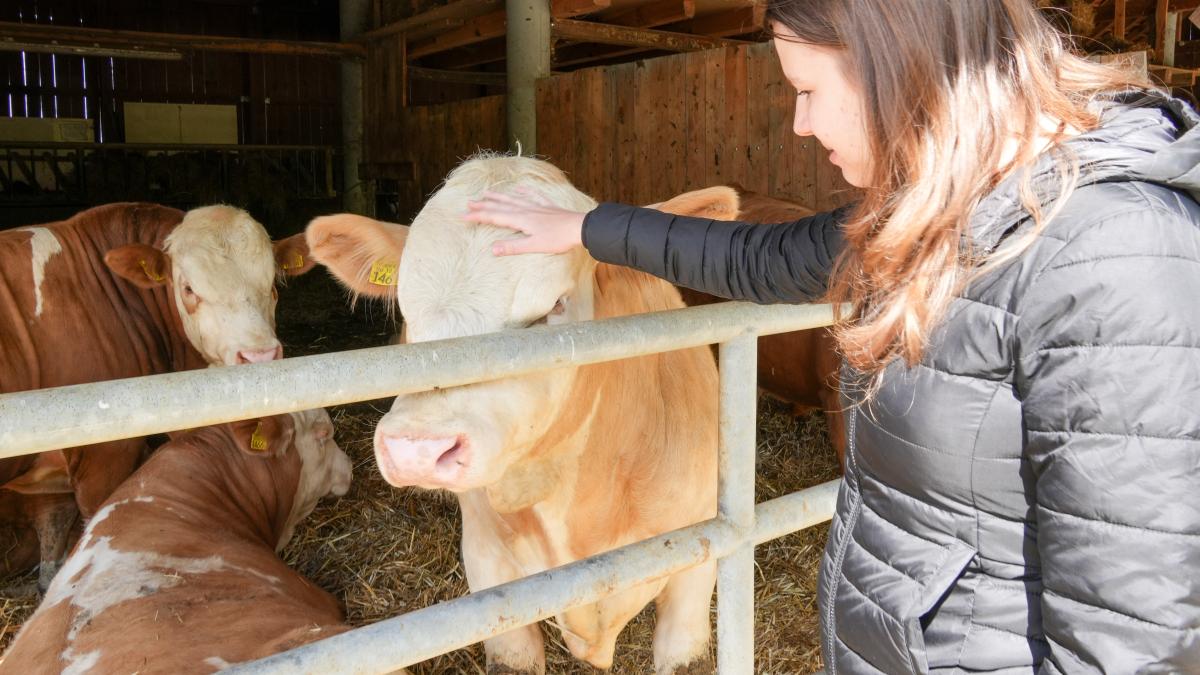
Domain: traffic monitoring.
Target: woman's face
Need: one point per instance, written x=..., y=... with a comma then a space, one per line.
x=828, y=106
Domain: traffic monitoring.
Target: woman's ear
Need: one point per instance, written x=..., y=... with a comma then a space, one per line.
x=364, y=254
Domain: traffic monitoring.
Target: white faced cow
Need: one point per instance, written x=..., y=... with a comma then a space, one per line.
x=557, y=466
x=120, y=291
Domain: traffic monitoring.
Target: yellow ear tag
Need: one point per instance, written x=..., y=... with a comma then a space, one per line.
x=257, y=440
x=154, y=276
x=382, y=273
x=296, y=263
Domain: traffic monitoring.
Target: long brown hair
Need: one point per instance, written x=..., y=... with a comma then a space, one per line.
x=945, y=84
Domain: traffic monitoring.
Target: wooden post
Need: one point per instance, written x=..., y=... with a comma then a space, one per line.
x=528, y=47
x=1168, y=37
x=1119, y=20
x=358, y=194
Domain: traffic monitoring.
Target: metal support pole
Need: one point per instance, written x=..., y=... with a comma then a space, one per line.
x=735, y=503
x=358, y=194
x=528, y=43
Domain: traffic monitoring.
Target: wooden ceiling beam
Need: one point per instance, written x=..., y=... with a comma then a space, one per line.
x=724, y=24
x=479, y=29
x=565, y=9
x=608, y=34
x=474, y=55
x=459, y=10
x=49, y=35
x=653, y=14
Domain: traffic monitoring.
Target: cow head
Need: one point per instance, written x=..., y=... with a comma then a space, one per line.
x=449, y=284
x=221, y=268
x=308, y=435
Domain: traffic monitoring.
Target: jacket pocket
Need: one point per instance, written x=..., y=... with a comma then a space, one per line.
x=929, y=594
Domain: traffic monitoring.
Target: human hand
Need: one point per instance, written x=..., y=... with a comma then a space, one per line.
x=549, y=229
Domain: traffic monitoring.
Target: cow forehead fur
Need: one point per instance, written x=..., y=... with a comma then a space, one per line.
x=450, y=283
x=221, y=249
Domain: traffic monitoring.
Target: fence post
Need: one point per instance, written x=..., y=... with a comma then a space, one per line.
x=735, y=503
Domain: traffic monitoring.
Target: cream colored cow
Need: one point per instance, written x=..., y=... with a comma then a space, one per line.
x=557, y=466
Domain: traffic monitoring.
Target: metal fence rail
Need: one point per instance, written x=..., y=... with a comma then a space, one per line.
x=49, y=419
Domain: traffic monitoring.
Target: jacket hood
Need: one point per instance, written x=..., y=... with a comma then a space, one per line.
x=1143, y=136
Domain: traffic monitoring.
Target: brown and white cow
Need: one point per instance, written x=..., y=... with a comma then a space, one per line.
x=800, y=367
x=552, y=467
x=178, y=572
x=120, y=291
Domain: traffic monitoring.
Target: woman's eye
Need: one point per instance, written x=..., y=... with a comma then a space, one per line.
x=803, y=92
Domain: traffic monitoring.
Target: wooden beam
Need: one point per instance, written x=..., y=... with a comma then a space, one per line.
x=653, y=14
x=565, y=9
x=1161, y=7
x=724, y=24
x=486, y=27
x=600, y=33
x=460, y=10
x=1119, y=20
x=47, y=34
x=457, y=76
x=60, y=49
x=578, y=55
x=474, y=55
x=430, y=29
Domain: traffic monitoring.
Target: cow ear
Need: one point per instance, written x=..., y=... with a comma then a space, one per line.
x=718, y=203
x=49, y=476
x=291, y=256
x=263, y=436
x=143, y=266
x=364, y=254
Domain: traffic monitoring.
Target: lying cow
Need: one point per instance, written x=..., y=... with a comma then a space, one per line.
x=178, y=572
x=552, y=467
x=120, y=291
x=799, y=367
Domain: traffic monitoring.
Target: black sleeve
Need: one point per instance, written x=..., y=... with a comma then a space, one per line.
x=785, y=262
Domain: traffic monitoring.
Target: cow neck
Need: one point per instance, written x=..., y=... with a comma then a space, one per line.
x=221, y=488
x=155, y=308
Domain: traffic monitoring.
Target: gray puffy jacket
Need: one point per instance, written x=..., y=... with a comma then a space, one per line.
x=1026, y=499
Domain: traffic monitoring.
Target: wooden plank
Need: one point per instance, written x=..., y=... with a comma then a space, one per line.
x=675, y=126
x=657, y=13
x=730, y=22
x=579, y=166
x=479, y=29
x=460, y=10
x=625, y=92
x=714, y=145
x=469, y=56
x=1118, y=30
x=759, y=93
x=457, y=76
x=551, y=134
x=577, y=54
x=1161, y=7
x=781, y=111
x=101, y=37
x=586, y=31
x=659, y=115
x=645, y=127
x=597, y=126
x=736, y=114
x=564, y=9
x=695, y=114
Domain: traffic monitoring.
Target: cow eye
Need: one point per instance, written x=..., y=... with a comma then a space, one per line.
x=559, y=309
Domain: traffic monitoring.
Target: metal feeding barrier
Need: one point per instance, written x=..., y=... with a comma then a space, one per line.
x=48, y=419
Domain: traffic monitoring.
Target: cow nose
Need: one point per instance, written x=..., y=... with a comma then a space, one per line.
x=422, y=460
x=260, y=355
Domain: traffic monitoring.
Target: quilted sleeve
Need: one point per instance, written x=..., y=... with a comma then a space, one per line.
x=1108, y=374
x=785, y=262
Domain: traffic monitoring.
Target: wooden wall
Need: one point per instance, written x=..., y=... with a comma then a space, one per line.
x=636, y=132
x=280, y=99
x=642, y=132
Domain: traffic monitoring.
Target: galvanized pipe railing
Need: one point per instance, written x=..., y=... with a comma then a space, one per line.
x=419, y=635
x=63, y=417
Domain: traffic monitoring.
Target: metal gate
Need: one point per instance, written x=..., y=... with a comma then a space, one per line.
x=50, y=419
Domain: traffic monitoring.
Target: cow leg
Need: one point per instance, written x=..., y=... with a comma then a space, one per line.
x=682, y=627
x=54, y=517
x=488, y=563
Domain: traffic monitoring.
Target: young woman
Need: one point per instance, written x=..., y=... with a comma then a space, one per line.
x=1022, y=490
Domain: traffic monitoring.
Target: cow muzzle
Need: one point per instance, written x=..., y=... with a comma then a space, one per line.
x=427, y=461
x=259, y=355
